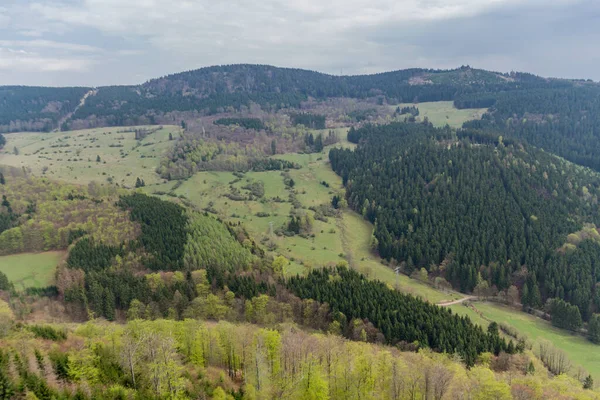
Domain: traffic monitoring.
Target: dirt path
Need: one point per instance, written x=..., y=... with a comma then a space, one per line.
x=449, y=303
x=81, y=103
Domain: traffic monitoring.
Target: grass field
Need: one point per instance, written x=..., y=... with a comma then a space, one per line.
x=579, y=350
x=72, y=156
x=441, y=113
x=31, y=269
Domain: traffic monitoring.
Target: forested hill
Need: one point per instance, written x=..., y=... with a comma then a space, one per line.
x=36, y=108
x=474, y=208
x=216, y=89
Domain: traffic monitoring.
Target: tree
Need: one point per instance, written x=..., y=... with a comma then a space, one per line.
x=589, y=382
x=594, y=328
x=565, y=315
x=512, y=295
x=279, y=264
x=2, y=180
x=273, y=146
x=5, y=284
x=312, y=385
x=170, y=135
x=98, y=159
x=16, y=151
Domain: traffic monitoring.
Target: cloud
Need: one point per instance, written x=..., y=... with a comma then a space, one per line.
x=123, y=40
x=11, y=59
x=49, y=44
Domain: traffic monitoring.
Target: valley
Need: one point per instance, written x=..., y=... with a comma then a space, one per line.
x=234, y=227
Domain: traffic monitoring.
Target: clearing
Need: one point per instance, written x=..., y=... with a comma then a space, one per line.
x=441, y=113
x=73, y=156
x=31, y=269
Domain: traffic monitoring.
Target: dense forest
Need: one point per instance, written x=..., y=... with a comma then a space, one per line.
x=248, y=123
x=400, y=317
x=562, y=120
x=36, y=108
x=472, y=207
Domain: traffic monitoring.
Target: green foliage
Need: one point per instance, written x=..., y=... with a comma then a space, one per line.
x=400, y=317
x=559, y=117
x=90, y=256
x=4, y=282
x=163, y=229
x=47, y=332
x=212, y=246
x=312, y=121
x=565, y=315
x=594, y=328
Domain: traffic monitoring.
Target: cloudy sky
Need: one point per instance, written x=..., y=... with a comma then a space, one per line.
x=102, y=42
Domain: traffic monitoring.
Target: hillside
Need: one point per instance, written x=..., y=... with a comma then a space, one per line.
x=477, y=209
x=215, y=89
x=25, y=108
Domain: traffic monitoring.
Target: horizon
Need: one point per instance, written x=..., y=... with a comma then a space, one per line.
x=305, y=69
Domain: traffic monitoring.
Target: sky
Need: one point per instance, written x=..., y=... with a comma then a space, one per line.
x=114, y=42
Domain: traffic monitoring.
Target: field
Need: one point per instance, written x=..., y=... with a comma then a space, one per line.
x=31, y=269
x=441, y=113
x=579, y=350
x=73, y=156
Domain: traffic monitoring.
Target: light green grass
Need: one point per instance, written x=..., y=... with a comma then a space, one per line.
x=31, y=269
x=71, y=156
x=579, y=350
x=441, y=113
x=462, y=309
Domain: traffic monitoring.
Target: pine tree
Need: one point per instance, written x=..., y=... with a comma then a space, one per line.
x=273, y=146
x=98, y=159
x=530, y=368
x=108, y=304
x=589, y=382
x=594, y=328
x=2, y=180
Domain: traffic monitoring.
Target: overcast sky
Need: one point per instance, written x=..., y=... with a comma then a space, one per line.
x=105, y=42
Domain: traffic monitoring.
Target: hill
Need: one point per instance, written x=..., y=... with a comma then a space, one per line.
x=477, y=209
x=25, y=108
x=215, y=89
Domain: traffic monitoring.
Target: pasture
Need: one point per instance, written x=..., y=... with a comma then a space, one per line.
x=31, y=269
x=441, y=113
x=579, y=350
x=101, y=155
